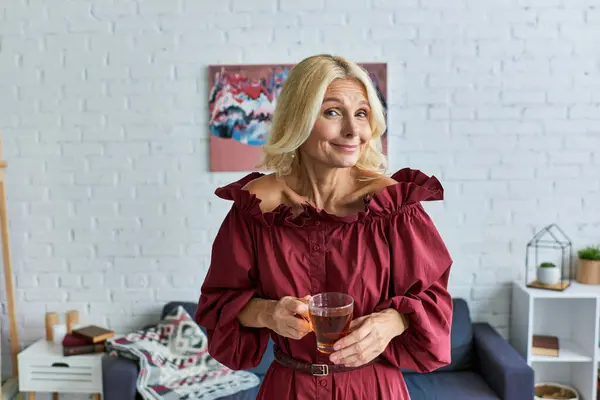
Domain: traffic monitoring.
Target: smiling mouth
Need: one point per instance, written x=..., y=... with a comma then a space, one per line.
x=346, y=147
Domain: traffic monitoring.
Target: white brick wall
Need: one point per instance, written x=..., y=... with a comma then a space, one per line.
x=103, y=117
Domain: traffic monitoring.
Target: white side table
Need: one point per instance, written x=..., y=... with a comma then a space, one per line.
x=43, y=368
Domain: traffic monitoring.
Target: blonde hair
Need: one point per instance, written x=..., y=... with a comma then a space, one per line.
x=299, y=105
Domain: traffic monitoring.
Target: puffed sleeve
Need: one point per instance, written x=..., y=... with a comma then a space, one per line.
x=419, y=272
x=231, y=281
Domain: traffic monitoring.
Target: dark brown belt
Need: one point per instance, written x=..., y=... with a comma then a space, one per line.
x=313, y=369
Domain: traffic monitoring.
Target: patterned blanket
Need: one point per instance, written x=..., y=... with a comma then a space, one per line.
x=175, y=364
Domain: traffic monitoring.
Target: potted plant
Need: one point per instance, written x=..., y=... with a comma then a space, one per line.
x=548, y=273
x=588, y=268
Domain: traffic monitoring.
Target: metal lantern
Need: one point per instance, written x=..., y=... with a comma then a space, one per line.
x=548, y=260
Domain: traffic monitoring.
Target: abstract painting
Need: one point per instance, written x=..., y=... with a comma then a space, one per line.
x=242, y=99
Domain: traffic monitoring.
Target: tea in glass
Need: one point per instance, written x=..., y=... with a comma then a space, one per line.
x=330, y=315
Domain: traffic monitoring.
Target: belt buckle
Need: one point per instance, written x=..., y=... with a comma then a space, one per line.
x=324, y=367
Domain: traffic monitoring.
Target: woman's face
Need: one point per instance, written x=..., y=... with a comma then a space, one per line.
x=342, y=129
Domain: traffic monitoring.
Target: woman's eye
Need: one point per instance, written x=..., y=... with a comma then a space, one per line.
x=363, y=114
x=331, y=113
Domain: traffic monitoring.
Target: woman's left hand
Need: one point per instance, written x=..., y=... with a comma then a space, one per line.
x=370, y=336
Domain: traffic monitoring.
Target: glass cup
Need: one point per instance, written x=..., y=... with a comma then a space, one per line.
x=330, y=315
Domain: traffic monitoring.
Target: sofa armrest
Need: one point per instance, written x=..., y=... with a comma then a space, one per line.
x=119, y=377
x=502, y=367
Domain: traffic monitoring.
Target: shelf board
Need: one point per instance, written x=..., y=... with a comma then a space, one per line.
x=575, y=291
x=568, y=352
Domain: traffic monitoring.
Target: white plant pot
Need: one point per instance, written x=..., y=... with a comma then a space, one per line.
x=577, y=397
x=548, y=276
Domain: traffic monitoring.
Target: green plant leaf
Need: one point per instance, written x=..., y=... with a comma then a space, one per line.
x=589, y=253
x=547, y=265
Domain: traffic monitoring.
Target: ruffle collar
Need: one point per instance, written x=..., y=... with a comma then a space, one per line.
x=412, y=186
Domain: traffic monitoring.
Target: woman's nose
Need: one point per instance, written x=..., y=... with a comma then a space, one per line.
x=350, y=128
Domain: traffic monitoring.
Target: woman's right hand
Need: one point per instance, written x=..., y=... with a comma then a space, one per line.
x=290, y=317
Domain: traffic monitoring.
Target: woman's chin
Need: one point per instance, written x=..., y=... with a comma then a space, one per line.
x=337, y=160
x=345, y=162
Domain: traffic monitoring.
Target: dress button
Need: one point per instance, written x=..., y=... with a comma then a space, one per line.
x=323, y=382
x=316, y=247
x=317, y=223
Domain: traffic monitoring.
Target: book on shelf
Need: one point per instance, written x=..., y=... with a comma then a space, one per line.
x=71, y=340
x=83, y=349
x=93, y=333
x=86, y=340
x=545, y=345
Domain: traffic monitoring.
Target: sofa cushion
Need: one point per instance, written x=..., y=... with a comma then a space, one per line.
x=171, y=306
x=461, y=337
x=464, y=385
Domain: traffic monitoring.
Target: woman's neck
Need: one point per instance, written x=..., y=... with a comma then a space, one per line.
x=323, y=187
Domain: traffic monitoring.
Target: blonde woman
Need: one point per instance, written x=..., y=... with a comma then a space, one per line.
x=329, y=220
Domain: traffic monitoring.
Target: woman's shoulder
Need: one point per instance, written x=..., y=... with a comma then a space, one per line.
x=259, y=196
x=259, y=183
x=269, y=199
x=268, y=189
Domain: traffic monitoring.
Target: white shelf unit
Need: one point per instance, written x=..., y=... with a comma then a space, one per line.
x=572, y=315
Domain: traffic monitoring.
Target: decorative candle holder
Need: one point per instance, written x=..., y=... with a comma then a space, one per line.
x=51, y=320
x=72, y=320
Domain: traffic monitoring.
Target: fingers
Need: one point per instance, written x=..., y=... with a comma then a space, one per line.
x=295, y=306
x=357, y=354
x=292, y=314
x=356, y=336
x=359, y=347
x=297, y=328
x=298, y=324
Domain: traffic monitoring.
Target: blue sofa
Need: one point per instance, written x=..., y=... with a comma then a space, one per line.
x=484, y=367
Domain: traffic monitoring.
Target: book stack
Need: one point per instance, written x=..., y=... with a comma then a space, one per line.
x=86, y=340
x=545, y=345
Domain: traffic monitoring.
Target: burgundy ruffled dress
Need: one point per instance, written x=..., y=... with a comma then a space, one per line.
x=389, y=255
